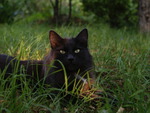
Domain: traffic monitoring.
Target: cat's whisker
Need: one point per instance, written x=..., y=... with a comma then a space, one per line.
x=80, y=78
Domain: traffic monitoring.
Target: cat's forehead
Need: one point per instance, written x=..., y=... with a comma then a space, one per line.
x=70, y=43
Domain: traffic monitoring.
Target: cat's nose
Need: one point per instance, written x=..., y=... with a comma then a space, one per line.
x=70, y=58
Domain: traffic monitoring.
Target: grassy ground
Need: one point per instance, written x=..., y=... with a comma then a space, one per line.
x=122, y=61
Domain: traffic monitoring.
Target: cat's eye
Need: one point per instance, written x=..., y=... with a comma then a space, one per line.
x=62, y=51
x=77, y=51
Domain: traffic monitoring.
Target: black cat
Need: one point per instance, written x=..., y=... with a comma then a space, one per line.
x=73, y=53
x=69, y=60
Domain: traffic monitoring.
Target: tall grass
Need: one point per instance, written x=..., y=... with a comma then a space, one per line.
x=122, y=63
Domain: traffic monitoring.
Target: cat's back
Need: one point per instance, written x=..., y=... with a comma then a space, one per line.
x=9, y=65
x=5, y=60
x=6, y=64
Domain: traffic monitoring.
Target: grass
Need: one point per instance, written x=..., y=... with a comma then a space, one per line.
x=122, y=63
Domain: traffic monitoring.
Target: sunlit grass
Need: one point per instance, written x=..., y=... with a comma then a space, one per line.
x=121, y=57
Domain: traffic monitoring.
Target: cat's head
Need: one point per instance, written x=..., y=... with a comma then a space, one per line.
x=72, y=52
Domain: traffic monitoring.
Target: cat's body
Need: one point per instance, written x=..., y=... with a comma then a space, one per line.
x=68, y=58
x=10, y=65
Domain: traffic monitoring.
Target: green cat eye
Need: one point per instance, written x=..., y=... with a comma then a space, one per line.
x=77, y=51
x=62, y=51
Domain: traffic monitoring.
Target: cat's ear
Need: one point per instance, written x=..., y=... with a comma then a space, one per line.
x=82, y=37
x=55, y=39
